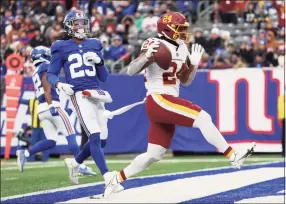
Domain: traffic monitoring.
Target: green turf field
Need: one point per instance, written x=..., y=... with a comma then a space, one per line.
x=53, y=174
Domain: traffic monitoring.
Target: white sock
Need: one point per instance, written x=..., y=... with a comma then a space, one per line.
x=210, y=132
x=143, y=161
x=140, y=163
x=74, y=163
x=26, y=153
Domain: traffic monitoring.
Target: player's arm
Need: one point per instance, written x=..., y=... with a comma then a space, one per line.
x=137, y=65
x=96, y=58
x=101, y=70
x=55, y=66
x=148, y=48
x=47, y=88
x=191, y=73
x=195, y=58
x=54, y=70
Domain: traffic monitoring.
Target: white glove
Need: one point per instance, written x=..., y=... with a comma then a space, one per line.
x=18, y=132
x=66, y=88
x=196, y=55
x=93, y=58
x=152, y=48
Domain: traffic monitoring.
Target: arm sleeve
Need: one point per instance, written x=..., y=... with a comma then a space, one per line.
x=55, y=67
x=101, y=70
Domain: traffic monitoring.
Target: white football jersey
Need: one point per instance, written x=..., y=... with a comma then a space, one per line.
x=158, y=80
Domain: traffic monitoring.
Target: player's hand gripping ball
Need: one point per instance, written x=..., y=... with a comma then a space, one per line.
x=163, y=57
x=159, y=53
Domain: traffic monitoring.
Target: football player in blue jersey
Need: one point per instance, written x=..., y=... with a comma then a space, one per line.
x=53, y=118
x=83, y=65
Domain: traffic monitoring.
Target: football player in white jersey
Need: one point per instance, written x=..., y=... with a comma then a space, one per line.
x=164, y=108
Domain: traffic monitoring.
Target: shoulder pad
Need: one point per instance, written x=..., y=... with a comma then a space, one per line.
x=94, y=43
x=56, y=46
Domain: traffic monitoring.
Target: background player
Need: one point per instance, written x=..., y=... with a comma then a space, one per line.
x=83, y=66
x=164, y=108
x=53, y=118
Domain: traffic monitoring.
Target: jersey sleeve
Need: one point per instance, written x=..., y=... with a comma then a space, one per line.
x=56, y=63
x=43, y=67
x=101, y=70
x=96, y=44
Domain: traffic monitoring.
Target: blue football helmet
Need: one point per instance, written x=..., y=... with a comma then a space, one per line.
x=76, y=24
x=40, y=54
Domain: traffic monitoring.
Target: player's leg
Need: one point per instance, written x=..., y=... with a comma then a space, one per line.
x=102, y=122
x=34, y=140
x=160, y=136
x=182, y=112
x=62, y=122
x=85, y=111
x=204, y=122
x=51, y=135
x=46, y=153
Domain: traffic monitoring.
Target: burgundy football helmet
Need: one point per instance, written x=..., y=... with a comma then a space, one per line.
x=174, y=26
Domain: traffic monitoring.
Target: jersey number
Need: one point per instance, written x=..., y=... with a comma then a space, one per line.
x=38, y=85
x=169, y=78
x=80, y=61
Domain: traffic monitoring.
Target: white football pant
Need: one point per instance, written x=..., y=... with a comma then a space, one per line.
x=90, y=115
x=54, y=124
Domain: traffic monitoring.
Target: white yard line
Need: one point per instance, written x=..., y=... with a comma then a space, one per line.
x=10, y=178
x=98, y=183
x=39, y=165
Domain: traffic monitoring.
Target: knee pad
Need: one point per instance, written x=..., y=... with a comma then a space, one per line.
x=203, y=117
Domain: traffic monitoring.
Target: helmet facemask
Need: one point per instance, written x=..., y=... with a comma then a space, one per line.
x=181, y=35
x=78, y=28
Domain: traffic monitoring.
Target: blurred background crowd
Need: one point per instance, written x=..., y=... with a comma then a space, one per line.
x=235, y=34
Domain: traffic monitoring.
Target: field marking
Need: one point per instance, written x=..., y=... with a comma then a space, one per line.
x=264, y=199
x=189, y=187
x=101, y=182
x=39, y=165
x=10, y=178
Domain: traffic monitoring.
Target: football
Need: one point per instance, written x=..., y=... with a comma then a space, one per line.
x=163, y=57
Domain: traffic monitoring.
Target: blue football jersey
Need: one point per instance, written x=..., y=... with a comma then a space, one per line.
x=79, y=72
x=37, y=79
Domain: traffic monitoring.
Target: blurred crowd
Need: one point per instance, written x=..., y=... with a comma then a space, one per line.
x=244, y=34
x=119, y=25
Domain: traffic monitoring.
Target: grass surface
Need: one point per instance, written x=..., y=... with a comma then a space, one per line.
x=53, y=174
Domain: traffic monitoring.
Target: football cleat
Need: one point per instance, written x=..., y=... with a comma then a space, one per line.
x=73, y=171
x=21, y=159
x=112, y=184
x=86, y=171
x=238, y=158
